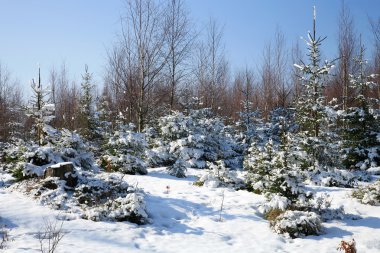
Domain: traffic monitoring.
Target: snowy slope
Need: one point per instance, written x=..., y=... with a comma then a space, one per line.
x=185, y=218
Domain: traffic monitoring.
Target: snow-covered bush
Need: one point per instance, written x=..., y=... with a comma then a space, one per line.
x=178, y=169
x=72, y=148
x=196, y=138
x=270, y=171
x=320, y=203
x=297, y=224
x=125, y=152
x=219, y=176
x=317, y=203
x=109, y=197
x=274, y=202
x=331, y=177
x=27, y=159
x=369, y=194
x=97, y=197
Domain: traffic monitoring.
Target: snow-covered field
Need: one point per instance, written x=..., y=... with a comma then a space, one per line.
x=186, y=218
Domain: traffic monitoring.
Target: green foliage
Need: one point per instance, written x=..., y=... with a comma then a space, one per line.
x=199, y=183
x=18, y=173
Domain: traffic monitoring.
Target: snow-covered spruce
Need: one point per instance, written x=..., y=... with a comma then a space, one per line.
x=219, y=176
x=297, y=224
x=361, y=147
x=40, y=111
x=369, y=194
x=270, y=171
x=197, y=138
x=87, y=114
x=315, y=138
x=178, y=169
x=97, y=197
x=125, y=152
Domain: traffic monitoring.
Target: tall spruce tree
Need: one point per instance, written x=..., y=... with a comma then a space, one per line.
x=361, y=147
x=40, y=111
x=87, y=114
x=311, y=113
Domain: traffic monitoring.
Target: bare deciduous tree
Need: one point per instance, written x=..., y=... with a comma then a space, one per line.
x=347, y=47
x=65, y=95
x=211, y=69
x=179, y=42
x=274, y=74
x=281, y=77
x=145, y=37
x=267, y=87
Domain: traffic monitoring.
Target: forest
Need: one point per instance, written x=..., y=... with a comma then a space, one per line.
x=170, y=107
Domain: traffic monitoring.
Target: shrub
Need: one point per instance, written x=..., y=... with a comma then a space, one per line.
x=220, y=176
x=297, y=224
x=178, y=169
x=27, y=160
x=97, y=197
x=125, y=152
x=196, y=138
x=274, y=202
x=369, y=194
x=321, y=204
x=331, y=177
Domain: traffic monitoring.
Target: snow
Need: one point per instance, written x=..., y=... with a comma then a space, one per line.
x=185, y=218
x=58, y=165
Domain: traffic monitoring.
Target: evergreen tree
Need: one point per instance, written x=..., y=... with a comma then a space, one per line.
x=125, y=152
x=40, y=111
x=103, y=118
x=258, y=163
x=272, y=171
x=310, y=108
x=87, y=114
x=361, y=147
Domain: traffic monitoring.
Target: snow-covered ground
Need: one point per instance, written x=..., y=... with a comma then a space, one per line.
x=186, y=218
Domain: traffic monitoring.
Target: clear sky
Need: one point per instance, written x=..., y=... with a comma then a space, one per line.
x=79, y=32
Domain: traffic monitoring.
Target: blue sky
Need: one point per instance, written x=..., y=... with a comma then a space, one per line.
x=79, y=32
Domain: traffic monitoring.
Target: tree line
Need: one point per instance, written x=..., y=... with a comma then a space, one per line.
x=160, y=64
